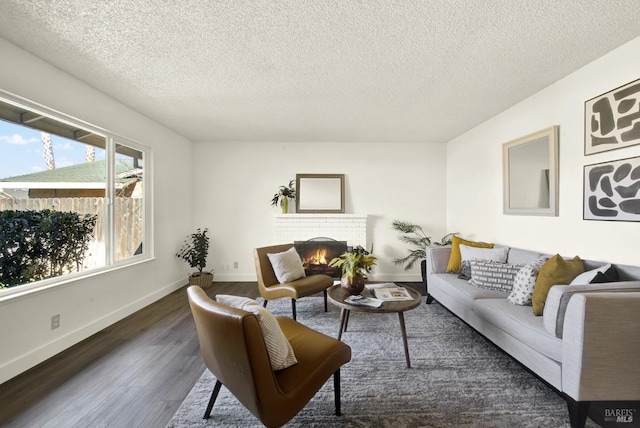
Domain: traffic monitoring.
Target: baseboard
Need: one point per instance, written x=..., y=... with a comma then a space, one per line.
x=230, y=277
x=26, y=361
x=394, y=277
x=234, y=277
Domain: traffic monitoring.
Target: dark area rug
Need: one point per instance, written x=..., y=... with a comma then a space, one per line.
x=457, y=379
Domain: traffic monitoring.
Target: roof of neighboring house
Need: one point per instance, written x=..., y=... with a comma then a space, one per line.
x=89, y=172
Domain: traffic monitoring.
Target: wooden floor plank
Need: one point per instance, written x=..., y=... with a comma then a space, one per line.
x=135, y=373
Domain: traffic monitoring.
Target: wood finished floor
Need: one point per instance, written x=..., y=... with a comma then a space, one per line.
x=135, y=373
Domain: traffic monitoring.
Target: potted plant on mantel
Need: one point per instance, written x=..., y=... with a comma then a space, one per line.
x=414, y=235
x=283, y=195
x=355, y=266
x=194, y=251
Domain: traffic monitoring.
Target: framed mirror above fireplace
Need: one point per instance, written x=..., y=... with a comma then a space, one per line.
x=320, y=193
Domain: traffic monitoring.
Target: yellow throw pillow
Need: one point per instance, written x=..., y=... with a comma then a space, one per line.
x=455, y=259
x=555, y=271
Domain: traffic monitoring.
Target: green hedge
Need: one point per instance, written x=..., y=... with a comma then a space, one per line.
x=41, y=244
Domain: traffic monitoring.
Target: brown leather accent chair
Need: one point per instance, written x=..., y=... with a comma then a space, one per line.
x=271, y=289
x=234, y=350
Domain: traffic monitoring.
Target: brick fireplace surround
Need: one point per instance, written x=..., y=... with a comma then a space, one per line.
x=341, y=227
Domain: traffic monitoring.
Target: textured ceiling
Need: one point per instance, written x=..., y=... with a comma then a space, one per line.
x=319, y=70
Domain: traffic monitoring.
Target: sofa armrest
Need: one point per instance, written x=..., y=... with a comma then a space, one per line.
x=560, y=295
x=600, y=347
x=437, y=259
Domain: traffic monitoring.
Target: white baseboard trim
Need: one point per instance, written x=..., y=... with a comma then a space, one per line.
x=408, y=277
x=26, y=361
x=234, y=277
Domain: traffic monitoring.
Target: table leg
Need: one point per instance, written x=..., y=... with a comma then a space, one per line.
x=344, y=315
x=346, y=322
x=404, y=338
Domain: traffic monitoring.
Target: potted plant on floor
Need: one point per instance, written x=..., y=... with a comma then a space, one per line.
x=194, y=251
x=355, y=266
x=418, y=240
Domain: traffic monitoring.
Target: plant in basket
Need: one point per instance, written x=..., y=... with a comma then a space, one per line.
x=194, y=251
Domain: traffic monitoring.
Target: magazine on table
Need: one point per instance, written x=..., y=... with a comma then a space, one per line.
x=372, y=287
x=360, y=300
x=392, y=294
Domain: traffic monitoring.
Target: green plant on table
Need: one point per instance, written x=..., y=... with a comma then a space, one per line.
x=354, y=263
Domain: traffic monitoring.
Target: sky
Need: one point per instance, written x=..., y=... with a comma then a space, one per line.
x=21, y=151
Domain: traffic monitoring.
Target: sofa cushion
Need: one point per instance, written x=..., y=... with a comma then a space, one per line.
x=460, y=289
x=524, y=282
x=559, y=296
x=588, y=276
x=495, y=254
x=518, y=256
x=519, y=322
x=556, y=270
x=493, y=275
x=455, y=258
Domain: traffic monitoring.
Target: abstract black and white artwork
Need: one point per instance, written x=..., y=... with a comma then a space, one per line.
x=612, y=120
x=612, y=190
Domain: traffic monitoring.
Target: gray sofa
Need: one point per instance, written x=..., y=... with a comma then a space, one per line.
x=586, y=344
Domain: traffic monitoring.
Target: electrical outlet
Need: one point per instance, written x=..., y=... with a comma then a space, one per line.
x=235, y=265
x=55, y=321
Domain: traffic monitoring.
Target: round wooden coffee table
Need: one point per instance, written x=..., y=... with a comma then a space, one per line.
x=337, y=295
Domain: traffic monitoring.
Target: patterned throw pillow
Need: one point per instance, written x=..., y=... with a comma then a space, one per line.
x=468, y=253
x=493, y=275
x=525, y=281
x=278, y=347
x=465, y=270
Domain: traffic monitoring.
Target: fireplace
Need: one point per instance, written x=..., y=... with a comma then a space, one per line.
x=316, y=253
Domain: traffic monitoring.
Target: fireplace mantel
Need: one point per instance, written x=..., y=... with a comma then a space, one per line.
x=342, y=227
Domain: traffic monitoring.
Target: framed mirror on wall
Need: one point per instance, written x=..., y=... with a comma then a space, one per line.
x=530, y=174
x=320, y=193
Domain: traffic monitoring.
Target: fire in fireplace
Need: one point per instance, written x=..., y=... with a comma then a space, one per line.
x=316, y=253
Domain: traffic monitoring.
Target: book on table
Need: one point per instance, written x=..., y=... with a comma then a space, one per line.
x=392, y=294
x=360, y=300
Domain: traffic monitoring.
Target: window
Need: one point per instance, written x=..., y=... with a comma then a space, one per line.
x=72, y=197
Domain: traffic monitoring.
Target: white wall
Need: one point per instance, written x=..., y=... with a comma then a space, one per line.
x=234, y=184
x=87, y=306
x=474, y=169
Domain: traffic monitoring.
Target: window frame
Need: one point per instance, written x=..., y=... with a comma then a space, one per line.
x=111, y=140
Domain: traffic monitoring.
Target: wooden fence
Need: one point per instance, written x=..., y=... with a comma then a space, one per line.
x=128, y=216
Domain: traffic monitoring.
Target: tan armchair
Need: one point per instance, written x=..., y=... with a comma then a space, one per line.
x=234, y=350
x=271, y=289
